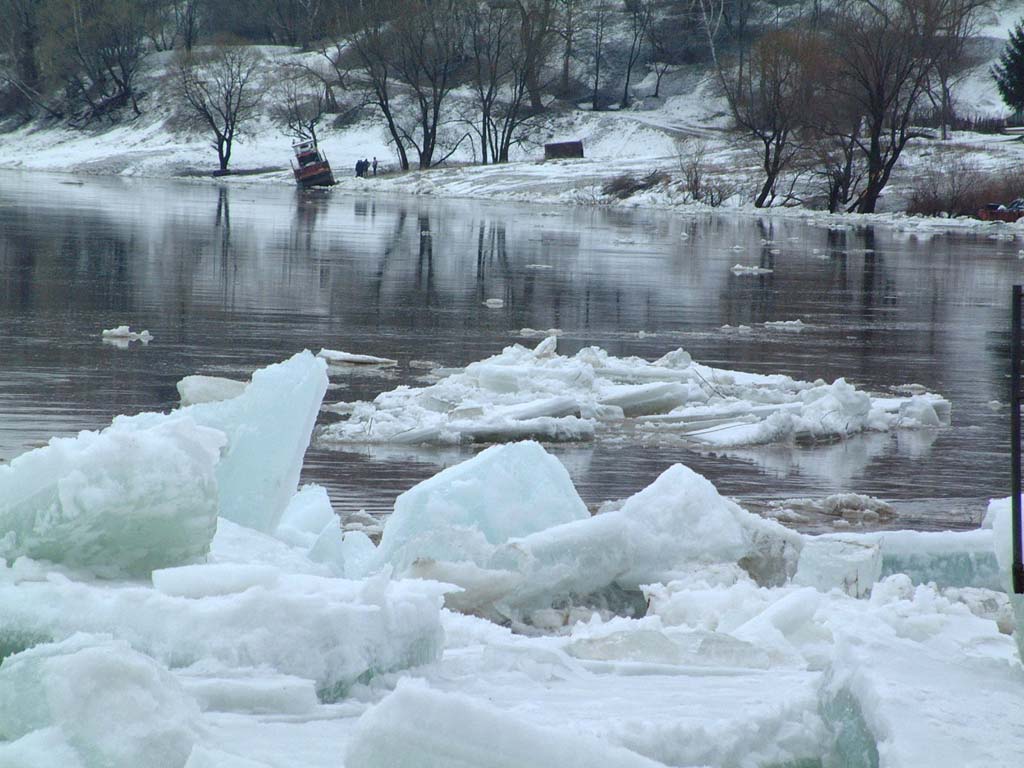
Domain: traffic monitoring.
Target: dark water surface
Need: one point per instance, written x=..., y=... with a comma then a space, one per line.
x=229, y=280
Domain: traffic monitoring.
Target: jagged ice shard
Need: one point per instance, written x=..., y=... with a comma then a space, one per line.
x=268, y=428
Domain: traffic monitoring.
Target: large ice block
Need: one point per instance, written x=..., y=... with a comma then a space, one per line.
x=917, y=680
x=462, y=513
x=678, y=520
x=112, y=706
x=268, y=428
x=120, y=502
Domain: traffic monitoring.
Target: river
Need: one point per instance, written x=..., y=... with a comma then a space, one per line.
x=229, y=279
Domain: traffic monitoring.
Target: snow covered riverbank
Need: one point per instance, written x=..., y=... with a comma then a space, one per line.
x=673, y=628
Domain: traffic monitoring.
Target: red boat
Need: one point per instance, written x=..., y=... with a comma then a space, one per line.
x=313, y=169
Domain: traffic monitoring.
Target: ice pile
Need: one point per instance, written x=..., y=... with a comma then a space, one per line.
x=523, y=393
x=140, y=626
x=133, y=608
x=509, y=528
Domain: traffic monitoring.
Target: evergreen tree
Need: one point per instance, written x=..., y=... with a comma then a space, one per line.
x=1009, y=72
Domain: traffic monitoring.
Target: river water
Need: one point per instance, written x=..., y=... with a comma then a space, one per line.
x=230, y=279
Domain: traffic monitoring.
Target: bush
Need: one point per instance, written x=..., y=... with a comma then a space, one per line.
x=697, y=184
x=625, y=186
x=956, y=186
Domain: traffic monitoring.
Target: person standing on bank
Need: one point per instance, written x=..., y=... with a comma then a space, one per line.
x=375, y=166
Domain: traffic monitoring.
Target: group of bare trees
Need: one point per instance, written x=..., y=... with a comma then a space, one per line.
x=839, y=93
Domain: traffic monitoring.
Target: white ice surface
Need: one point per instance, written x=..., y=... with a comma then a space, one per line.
x=332, y=631
x=403, y=732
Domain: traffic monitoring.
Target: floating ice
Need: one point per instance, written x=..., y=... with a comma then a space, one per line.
x=337, y=357
x=740, y=269
x=786, y=325
x=538, y=393
x=120, y=502
x=456, y=529
x=268, y=428
x=125, y=333
x=494, y=303
x=101, y=702
x=208, y=389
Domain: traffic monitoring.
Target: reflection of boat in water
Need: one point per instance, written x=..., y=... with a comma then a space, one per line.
x=313, y=169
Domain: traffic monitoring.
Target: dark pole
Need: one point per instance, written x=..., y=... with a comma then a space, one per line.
x=1015, y=398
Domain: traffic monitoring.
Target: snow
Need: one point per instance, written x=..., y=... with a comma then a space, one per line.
x=538, y=393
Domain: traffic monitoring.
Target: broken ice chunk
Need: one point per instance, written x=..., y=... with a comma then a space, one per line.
x=268, y=428
x=208, y=389
x=828, y=563
x=125, y=334
x=113, y=706
x=463, y=512
x=338, y=357
x=121, y=502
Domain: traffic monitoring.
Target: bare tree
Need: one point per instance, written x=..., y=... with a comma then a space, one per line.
x=599, y=18
x=220, y=93
x=952, y=58
x=98, y=45
x=570, y=27
x=767, y=95
x=537, y=33
x=300, y=103
x=885, y=51
x=366, y=59
x=499, y=79
x=639, y=15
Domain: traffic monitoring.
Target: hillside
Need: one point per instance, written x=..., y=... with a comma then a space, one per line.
x=686, y=127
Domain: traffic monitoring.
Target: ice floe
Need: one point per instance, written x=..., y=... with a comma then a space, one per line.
x=338, y=357
x=124, y=333
x=538, y=393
